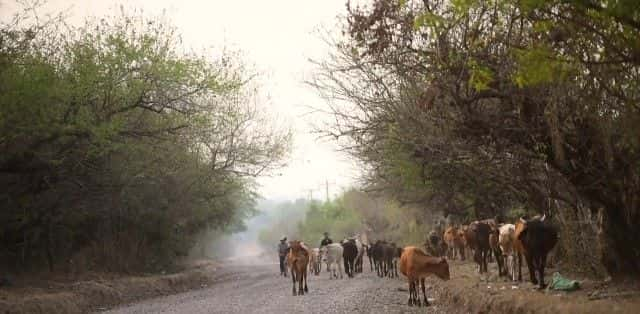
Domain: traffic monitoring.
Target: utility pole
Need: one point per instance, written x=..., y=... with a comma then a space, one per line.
x=326, y=182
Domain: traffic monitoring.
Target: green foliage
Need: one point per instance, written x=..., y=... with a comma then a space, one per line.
x=481, y=76
x=333, y=217
x=428, y=19
x=538, y=66
x=503, y=104
x=108, y=131
x=352, y=213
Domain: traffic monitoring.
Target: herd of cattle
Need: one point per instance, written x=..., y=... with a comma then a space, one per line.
x=485, y=239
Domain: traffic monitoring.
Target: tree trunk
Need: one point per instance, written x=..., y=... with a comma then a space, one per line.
x=620, y=245
x=49, y=245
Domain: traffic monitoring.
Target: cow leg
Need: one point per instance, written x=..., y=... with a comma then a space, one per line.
x=514, y=260
x=293, y=279
x=410, y=302
x=300, y=284
x=395, y=268
x=477, y=256
x=352, y=264
x=486, y=255
x=425, y=301
x=541, y=266
x=414, y=293
x=304, y=275
x=532, y=269
x=346, y=267
x=519, y=266
x=339, y=269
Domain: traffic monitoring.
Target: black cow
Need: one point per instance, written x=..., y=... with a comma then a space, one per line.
x=368, y=249
x=389, y=252
x=537, y=238
x=480, y=232
x=377, y=252
x=349, y=254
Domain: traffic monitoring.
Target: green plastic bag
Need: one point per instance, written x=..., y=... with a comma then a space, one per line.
x=560, y=283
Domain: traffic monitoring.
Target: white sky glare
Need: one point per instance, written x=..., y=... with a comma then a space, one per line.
x=276, y=38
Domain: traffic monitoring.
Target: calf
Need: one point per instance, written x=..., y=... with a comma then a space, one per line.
x=349, y=255
x=315, y=262
x=297, y=259
x=535, y=238
x=449, y=238
x=466, y=250
x=416, y=265
x=332, y=255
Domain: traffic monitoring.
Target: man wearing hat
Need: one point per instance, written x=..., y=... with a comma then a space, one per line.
x=326, y=240
x=283, y=249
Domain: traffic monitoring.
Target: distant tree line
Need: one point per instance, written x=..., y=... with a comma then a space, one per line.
x=352, y=213
x=118, y=146
x=480, y=108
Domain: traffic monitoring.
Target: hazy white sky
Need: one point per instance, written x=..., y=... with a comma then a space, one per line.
x=277, y=38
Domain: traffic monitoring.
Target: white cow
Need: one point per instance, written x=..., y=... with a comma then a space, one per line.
x=506, y=240
x=332, y=255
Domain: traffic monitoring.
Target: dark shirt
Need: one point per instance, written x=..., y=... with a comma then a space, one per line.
x=283, y=247
x=326, y=241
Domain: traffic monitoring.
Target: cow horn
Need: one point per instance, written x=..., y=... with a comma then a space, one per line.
x=543, y=217
x=522, y=220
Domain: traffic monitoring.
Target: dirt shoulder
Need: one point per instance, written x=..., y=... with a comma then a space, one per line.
x=469, y=292
x=102, y=292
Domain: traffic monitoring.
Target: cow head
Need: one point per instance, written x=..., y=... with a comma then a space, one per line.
x=442, y=269
x=323, y=253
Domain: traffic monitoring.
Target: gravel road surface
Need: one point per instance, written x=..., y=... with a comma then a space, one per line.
x=259, y=289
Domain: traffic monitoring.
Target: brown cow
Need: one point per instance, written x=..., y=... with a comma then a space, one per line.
x=297, y=259
x=454, y=239
x=462, y=231
x=449, y=238
x=477, y=237
x=416, y=265
x=506, y=241
x=493, y=225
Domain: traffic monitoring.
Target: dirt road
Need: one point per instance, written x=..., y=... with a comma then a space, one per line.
x=259, y=289
x=239, y=288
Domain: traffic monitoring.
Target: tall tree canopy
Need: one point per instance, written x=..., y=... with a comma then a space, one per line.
x=488, y=105
x=118, y=146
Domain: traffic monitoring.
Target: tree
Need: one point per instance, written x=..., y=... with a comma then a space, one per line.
x=491, y=104
x=119, y=148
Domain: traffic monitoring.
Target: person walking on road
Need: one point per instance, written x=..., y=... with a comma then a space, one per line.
x=283, y=249
x=326, y=240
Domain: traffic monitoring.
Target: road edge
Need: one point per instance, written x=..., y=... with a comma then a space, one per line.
x=97, y=295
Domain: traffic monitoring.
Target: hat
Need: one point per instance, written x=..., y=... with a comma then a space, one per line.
x=284, y=238
x=326, y=233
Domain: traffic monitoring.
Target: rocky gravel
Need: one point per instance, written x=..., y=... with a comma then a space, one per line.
x=259, y=289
